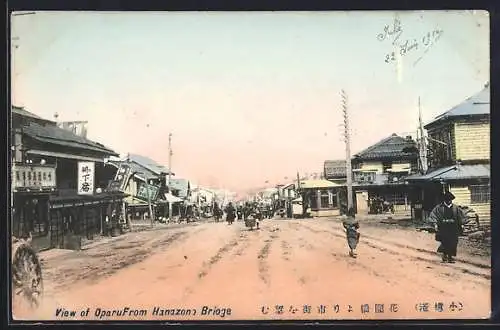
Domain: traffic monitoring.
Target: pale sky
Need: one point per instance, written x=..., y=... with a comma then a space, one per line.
x=249, y=97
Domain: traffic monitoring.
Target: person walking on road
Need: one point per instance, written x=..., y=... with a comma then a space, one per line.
x=351, y=226
x=448, y=219
x=230, y=213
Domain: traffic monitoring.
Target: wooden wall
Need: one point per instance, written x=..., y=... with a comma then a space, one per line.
x=472, y=141
x=462, y=197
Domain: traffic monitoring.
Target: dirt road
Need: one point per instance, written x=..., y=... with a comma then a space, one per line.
x=289, y=269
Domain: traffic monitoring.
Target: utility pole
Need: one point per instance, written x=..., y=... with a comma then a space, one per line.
x=151, y=216
x=422, y=142
x=169, y=174
x=347, y=149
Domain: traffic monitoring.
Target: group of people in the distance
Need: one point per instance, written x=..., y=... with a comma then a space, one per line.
x=242, y=212
x=446, y=217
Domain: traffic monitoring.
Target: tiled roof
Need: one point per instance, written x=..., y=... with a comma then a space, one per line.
x=455, y=172
x=391, y=147
x=52, y=134
x=148, y=163
x=25, y=113
x=478, y=104
x=182, y=185
x=135, y=168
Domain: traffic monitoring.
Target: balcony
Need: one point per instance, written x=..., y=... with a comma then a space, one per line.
x=373, y=178
x=33, y=177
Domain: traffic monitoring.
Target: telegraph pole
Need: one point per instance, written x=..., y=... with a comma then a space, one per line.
x=422, y=142
x=347, y=140
x=169, y=174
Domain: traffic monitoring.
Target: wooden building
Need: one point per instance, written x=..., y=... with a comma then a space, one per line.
x=459, y=159
x=48, y=200
x=380, y=171
x=321, y=196
x=144, y=181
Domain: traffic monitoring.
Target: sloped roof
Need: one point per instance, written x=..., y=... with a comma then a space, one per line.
x=148, y=163
x=306, y=184
x=392, y=146
x=55, y=135
x=135, y=168
x=478, y=104
x=25, y=113
x=455, y=172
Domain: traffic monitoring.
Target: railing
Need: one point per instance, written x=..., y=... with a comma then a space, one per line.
x=35, y=177
x=378, y=178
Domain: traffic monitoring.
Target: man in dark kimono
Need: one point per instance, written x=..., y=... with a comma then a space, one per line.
x=230, y=213
x=448, y=219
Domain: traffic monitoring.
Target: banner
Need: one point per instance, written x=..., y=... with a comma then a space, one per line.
x=86, y=176
x=147, y=192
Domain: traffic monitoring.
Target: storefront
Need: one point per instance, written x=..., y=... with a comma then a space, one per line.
x=321, y=196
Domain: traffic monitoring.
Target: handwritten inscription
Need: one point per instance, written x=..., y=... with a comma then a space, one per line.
x=405, y=46
x=396, y=30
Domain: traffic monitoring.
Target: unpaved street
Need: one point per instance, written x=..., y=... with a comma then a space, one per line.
x=275, y=272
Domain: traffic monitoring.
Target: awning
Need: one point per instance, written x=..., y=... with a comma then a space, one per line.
x=63, y=155
x=455, y=172
x=308, y=184
x=398, y=170
x=172, y=199
x=136, y=202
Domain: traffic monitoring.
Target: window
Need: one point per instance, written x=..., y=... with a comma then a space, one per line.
x=18, y=178
x=325, y=199
x=480, y=194
x=386, y=166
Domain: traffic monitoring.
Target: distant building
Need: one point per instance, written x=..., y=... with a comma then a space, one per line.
x=144, y=181
x=321, y=197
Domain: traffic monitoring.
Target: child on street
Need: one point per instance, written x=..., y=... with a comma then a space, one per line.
x=351, y=226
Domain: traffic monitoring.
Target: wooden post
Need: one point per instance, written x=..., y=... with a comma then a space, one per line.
x=318, y=199
x=169, y=174
x=347, y=150
x=149, y=204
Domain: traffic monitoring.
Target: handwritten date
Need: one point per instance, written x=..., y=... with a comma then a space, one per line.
x=408, y=46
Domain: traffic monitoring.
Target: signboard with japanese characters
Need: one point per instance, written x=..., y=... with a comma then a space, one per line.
x=86, y=178
x=335, y=169
x=37, y=177
x=121, y=178
x=144, y=194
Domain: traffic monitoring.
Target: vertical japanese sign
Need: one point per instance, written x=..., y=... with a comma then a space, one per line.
x=86, y=178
